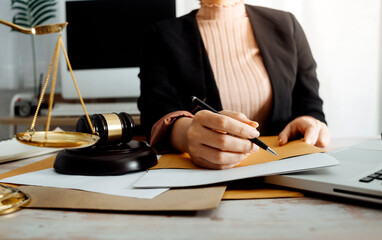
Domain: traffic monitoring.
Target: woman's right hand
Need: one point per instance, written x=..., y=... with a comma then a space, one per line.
x=205, y=138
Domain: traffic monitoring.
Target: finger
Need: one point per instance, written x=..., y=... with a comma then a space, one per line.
x=216, y=156
x=311, y=134
x=285, y=135
x=324, y=137
x=227, y=142
x=236, y=127
x=241, y=117
x=227, y=124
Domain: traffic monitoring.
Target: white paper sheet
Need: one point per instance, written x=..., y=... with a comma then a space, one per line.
x=115, y=185
x=12, y=149
x=192, y=177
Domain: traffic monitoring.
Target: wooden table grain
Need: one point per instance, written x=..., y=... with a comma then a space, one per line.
x=310, y=217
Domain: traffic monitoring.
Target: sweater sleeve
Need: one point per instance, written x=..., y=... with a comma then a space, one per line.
x=160, y=132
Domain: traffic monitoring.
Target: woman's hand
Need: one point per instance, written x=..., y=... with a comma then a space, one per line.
x=314, y=131
x=204, y=138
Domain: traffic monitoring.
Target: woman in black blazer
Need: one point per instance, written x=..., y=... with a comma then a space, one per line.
x=175, y=66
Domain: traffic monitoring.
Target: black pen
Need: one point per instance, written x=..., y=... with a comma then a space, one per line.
x=256, y=141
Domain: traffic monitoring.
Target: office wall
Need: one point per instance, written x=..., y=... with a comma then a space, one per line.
x=16, y=65
x=380, y=72
x=345, y=37
x=7, y=67
x=7, y=59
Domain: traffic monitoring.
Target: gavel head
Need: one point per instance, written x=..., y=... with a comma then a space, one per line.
x=113, y=128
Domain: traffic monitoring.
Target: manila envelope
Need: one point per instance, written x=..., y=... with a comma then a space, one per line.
x=187, y=199
x=260, y=193
x=255, y=188
x=291, y=149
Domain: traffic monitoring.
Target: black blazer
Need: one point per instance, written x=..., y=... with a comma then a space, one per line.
x=175, y=66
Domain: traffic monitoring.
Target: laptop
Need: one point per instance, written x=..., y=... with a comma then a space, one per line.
x=359, y=175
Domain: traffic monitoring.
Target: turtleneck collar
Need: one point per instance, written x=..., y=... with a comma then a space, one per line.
x=223, y=10
x=220, y=2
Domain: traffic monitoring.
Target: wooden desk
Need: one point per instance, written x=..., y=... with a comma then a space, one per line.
x=310, y=217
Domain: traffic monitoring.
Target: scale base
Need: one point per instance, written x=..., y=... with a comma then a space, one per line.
x=109, y=160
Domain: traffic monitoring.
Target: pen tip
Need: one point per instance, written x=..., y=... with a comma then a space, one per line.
x=271, y=151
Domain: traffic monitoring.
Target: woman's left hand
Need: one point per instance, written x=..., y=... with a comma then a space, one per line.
x=314, y=131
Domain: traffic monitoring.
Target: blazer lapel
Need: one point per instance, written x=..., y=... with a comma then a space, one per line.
x=202, y=82
x=276, y=54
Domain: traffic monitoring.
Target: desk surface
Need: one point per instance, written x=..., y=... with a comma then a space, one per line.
x=311, y=217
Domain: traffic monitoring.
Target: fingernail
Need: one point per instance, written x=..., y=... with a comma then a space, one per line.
x=234, y=165
x=255, y=124
x=254, y=134
x=255, y=148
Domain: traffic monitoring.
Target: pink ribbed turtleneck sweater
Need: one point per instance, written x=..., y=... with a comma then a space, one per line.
x=242, y=80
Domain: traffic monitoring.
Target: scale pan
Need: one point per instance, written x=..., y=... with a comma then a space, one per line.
x=57, y=139
x=11, y=199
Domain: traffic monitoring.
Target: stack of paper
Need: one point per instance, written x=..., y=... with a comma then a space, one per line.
x=12, y=149
x=41, y=173
x=194, y=177
x=120, y=185
x=178, y=170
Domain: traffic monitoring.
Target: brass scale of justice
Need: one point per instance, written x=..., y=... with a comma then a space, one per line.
x=11, y=199
x=50, y=138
